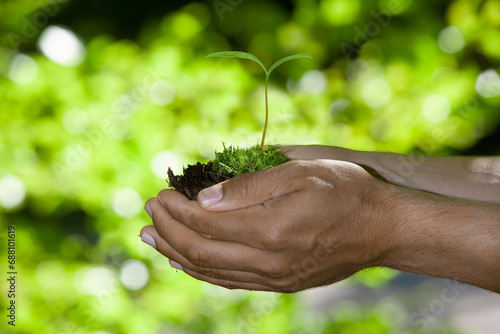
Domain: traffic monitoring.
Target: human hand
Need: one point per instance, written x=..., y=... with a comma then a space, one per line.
x=308, y=152
x=367, y=160
x=471, y=178
x=296, y=226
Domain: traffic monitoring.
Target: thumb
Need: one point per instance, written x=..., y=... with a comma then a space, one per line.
x=249, y=189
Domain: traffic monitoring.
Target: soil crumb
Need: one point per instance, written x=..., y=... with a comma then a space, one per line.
x=195, y=178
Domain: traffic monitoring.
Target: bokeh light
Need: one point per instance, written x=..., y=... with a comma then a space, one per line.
x=451, y=39
x=50, y=274
x=134, y=274
x=162, y=93
x=313, y=82
x=12, y=192
x=23, y=69
x=98, y=101
x=358, y=69
x=338, y=107
x=376, y=93
x=208, y=143
x=164, y=160
x=96, y=281
x=488, y=83
x=339, y=12
x=126, y=202
x=62, y=46
x=436, y=108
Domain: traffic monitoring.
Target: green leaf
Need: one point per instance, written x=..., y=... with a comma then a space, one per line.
x=238, y=54
x=284, y=60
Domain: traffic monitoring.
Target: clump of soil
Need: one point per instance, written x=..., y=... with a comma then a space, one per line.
x=195, y=178
x=230, y=162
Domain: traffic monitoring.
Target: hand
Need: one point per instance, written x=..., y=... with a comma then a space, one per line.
x=296, y=226
x=471, y=178
x=309, y=152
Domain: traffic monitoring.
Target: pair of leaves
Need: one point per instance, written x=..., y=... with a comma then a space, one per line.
x=245, y=55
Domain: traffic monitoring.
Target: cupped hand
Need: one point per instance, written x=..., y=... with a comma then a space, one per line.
x=292, y=227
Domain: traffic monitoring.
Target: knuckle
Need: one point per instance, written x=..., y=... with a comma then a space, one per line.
x=197, y=256
x=285, y=285
x=275, y=269
x=298, y=172
x=201, y=224
x=271, y=240
x=188, y=216
x=274, y=237
x=288, y=284
x=296, y=166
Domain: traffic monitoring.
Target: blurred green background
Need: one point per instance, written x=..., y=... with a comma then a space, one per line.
x=98, y=98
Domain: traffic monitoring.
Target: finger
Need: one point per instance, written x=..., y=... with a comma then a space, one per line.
x=258, y=226
x=232, y=226
x=204, y=252
x=250, y=189
x=217, y=274
x=307, y=152
x=228, y=284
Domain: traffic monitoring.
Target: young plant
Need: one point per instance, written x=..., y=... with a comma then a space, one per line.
x=231, y=161
x=245, y=55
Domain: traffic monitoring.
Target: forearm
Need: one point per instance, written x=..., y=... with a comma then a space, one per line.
x=460, y=177
x=446, y=238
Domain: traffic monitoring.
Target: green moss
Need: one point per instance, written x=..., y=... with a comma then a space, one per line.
x=238, y=160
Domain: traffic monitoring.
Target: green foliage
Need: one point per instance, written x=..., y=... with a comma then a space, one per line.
x=284, y=60
x=238, y=54
x=82, y=140
x=238, y=160
x=246, y=55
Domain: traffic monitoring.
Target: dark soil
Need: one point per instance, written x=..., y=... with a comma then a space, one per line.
x=195, y=178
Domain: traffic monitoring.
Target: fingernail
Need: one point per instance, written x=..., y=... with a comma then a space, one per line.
x=146, y=238
x=175, y=265
x=148, y=210
x=210, y=195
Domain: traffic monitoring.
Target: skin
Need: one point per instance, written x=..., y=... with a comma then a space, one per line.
x=473, y=178
x=310, y=223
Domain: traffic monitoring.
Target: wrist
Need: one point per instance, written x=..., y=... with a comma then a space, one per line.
x=444, y=237
x=383, y=225
x=405, y=209
x=372, y=162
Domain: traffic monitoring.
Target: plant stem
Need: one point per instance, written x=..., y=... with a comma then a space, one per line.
x=267, y=116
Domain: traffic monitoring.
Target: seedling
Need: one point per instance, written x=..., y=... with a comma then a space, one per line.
x=245, y=55
x=231, y=161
